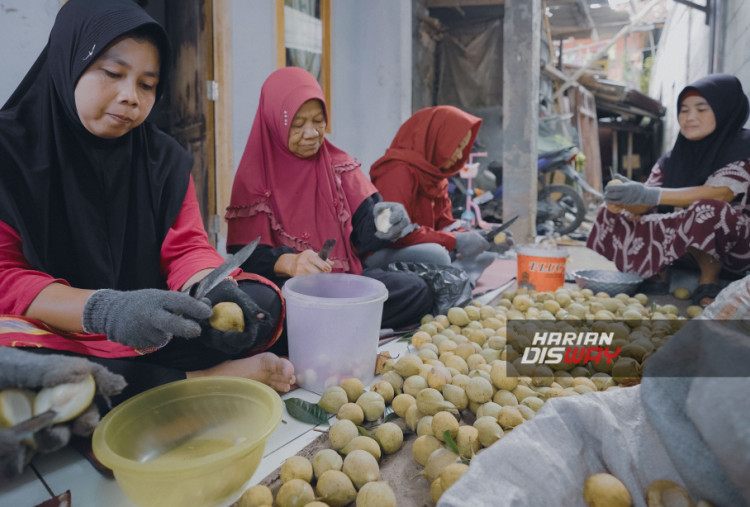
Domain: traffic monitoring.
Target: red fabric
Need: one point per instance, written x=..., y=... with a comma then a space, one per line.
x=185, y=251
x=287, y=200
x=411, y=171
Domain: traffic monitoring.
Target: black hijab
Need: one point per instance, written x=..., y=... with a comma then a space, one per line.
x=690, y=163
x=89, y=210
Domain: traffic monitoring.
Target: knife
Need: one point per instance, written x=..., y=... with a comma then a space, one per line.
x=34, y=424
x=490, y=235
x=217, y=275
x=326, y=250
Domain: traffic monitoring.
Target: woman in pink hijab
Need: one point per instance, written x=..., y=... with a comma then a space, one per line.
x=296, y=190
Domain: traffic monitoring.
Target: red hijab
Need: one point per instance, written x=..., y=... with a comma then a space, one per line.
x=426, y=141
x=291, y=201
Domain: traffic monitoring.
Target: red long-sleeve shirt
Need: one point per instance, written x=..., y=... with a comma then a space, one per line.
x=184, y=252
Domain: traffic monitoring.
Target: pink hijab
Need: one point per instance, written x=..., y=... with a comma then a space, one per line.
x=291, y=201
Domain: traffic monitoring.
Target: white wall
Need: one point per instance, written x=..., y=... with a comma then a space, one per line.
x=371, y=75
x=24, y=30
x=253, y=59
x=684, y=53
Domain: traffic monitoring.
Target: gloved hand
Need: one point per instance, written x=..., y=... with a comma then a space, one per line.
x=632, y=193
x=398, y=225
x=258, y=323
x=502, y=246
x=470, y=244
x=143, y=318
x=28, y=370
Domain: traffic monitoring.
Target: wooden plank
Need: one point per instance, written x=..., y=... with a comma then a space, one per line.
x=222, y=35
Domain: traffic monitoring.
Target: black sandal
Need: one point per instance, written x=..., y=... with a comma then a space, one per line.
x=656, y=285
x=707, y=290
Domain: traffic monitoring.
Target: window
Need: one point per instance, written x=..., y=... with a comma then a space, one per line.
x=304, y=35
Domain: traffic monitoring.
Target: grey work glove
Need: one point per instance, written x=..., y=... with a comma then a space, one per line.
x=632, y=193
x=258, y=323
x=398, y=225
x=470, y=244
x=503, y=246
x=144, y=318
x=29, y=370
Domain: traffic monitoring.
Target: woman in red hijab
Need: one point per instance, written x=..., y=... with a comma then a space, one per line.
x=296, y=190
x=430, y=147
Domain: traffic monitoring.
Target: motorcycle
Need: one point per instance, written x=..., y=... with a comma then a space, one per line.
x=561, y=204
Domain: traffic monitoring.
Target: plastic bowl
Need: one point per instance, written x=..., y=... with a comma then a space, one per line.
x=191, y=442
x=611, y=282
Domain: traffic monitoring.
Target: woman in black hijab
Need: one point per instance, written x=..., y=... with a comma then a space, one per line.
x=100, y=229
x=700, y=188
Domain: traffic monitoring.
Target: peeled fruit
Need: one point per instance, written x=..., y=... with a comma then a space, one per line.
x=458, y=316
x=372, y=404
x=467, y=441
x=390, y=437
x=333, y=399
x=68, y=400
x=296, y=467
x=436, y=490
x=451, y=474
x=681, y=293
x=335, y=488
x=353, y=388
x=693, y=311
x=605, y=490
x=362, y=443
x=408, y=365
x=442, y=422
x=351, y=411
x=614, y=182
x=401, y=403
x=295, y=492
x=384, y=389
x=326, y=459
x=664, y=493
x=256, y=496
x=383, y=220
x=227, y=316
x=479, y=390
x=500, y=238
x=361, y=467
x=376, y=494
x=15, y=406
x=341, y=433
x=437, y=461
x=430, y=402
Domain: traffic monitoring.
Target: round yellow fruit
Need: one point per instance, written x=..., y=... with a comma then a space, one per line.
x=605, y=490
x=227, y=316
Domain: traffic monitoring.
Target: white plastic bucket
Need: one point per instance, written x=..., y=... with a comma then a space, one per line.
x=333, y=325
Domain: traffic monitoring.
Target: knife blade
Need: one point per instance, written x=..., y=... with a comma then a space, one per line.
x=34, y=424
x=217, y=275
x=325, y=251
x=490, y=236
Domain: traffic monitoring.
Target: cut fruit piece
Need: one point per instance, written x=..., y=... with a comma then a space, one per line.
x=15, y=406
x=68, y=400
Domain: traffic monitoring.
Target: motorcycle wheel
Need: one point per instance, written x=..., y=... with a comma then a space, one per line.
x=566, y=208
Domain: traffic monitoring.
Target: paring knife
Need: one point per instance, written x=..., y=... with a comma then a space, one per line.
x=490, y=235
x=217, y=275
x=326, y=250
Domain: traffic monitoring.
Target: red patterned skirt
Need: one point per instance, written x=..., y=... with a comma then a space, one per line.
x=646, y=244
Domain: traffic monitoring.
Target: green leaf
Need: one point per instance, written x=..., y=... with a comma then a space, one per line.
x=449, y=441
x=390, y=417
x=305, y=411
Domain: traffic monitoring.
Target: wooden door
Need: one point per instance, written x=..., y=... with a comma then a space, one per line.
x=191, y=111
